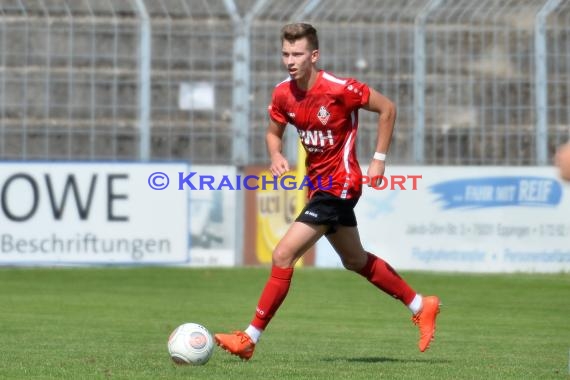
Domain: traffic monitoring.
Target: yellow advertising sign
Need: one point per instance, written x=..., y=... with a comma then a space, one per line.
x=277, y=208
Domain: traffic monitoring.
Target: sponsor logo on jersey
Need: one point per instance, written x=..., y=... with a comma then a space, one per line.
x=323, y=115
x=316, y=138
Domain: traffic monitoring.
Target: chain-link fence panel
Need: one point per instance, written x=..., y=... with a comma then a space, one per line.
x=557, y=69
x=475, y=82
x=191, y=81
x=68, y=80
x=480, y=83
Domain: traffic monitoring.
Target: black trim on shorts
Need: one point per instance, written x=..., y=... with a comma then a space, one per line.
x=327, y=209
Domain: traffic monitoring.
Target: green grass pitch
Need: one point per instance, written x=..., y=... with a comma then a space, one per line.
x=113, y=323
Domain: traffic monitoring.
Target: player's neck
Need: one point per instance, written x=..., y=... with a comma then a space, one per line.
x=306, y=83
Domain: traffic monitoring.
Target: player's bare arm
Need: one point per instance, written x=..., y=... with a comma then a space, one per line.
x=562, y=161
x=387, y=110
x=274, y=140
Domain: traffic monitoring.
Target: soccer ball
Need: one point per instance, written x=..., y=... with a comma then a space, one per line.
x=190, y=343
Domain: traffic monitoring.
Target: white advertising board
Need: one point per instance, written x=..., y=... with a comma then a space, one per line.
x=91, y=213
x=212, y=191
x=468, y=219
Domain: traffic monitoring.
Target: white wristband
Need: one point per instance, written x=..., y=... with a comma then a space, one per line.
x=379, y=156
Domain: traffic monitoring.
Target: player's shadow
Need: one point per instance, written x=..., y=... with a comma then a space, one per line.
x=383, y=359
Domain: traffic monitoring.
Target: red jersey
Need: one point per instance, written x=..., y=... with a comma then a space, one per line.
x=326, y=118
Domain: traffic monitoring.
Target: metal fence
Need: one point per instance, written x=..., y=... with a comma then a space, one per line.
x=475, y=83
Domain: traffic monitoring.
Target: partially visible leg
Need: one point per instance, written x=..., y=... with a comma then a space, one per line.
x=346, y=242
x=298, y=239
x=292, y=246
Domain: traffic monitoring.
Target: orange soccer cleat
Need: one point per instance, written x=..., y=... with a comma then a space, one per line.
x=425, y=320
x=237, y=343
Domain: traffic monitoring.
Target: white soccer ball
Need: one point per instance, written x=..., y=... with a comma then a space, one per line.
x=190, y=343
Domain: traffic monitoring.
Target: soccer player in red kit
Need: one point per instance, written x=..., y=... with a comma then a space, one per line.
x=324, y=109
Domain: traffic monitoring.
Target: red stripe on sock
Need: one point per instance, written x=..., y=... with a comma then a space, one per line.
x=385, y=278
x=273, y=294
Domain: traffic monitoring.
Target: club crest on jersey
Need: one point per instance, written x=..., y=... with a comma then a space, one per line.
x=323, y=115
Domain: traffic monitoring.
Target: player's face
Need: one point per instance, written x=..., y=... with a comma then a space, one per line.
x=298, y=58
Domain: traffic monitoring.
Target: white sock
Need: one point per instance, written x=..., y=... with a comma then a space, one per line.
x=416, y=305
x=253, y=332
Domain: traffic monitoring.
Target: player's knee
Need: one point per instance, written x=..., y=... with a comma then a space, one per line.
x=355, y=263
x=282, y=257
x=350, y=266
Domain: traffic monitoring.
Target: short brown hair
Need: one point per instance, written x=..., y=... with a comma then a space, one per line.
x=294, y=32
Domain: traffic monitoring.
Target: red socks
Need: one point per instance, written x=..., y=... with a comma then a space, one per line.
x=385, y=278
x=273, y=294
x=376, y=270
